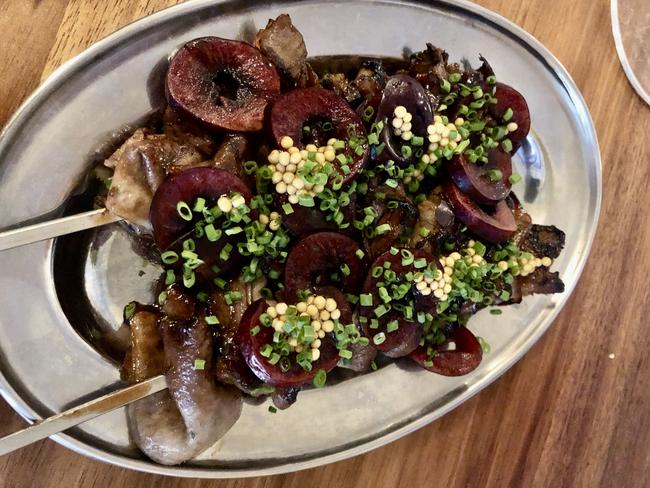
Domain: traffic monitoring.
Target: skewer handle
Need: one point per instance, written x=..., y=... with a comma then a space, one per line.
x=55, y=228
x=80, y=414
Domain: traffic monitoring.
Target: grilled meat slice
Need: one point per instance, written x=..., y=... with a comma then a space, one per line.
x=285, y=47
x=140, y=165
x=230, y=367
x=178, y=424
x=175, y=126
x=543, y=240
x=145, y=358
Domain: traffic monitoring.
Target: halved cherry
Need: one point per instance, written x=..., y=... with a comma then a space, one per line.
x=170, y=229
x=406, y=338
x=307, y=220
x=494, y=224
x=251, y=345
x=326, y=114
x=223, y=83
x=509, y=98
x=316, y=257
x=462, y=360
x=407, y=92
x=476, y=181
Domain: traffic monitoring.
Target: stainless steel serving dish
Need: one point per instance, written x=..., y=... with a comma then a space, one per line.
x=60, y=303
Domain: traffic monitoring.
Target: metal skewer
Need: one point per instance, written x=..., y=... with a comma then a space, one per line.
x=80, y=414
x=55, y=228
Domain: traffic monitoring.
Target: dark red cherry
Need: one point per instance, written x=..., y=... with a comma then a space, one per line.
x=494, y=224
x=222, y=83
x=477, y=181
x=326, y=114
x=313, y=260
x=509, y=98
x=464, y=359
x=251, y=344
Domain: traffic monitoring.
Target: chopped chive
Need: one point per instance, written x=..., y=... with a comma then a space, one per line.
x=211, y=320
x=129, y=310
x=184, y=211
x=494, y=174
x=392, y=326
x=382, y=229
x=379, y=338
x=211, y=233
x=320, y=379
x=514, y=178
x=365, y=299
x=169, y=257
x=420, y=263
x=380, y=310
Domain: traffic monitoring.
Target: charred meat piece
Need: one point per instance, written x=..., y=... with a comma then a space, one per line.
x=429, y=67
x=398, y=212
x=283, y=398
x=175, y=425
x=140, y=165
x=341, y=86
x=145, y=358
x=175, y=126
x=178, y=305
x=285, y=47
x=541, y=281
x=230, y=367
x=543, y=240
x=232, y=153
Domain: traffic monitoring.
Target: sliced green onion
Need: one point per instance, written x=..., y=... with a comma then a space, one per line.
x=184, y=210
x=506, y=145
x=211, y=320
x=392, y=326
x=169, y=257
x=507, y=115
x=320, y=378
x=162, y=297
x=379, y=338
x=380, y=310
x=199, y=364
x=494, y=174
x=382, y=229
x=514, y=178
x=129, y=310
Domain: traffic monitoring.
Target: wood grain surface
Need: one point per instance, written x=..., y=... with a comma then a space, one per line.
x=575, y=412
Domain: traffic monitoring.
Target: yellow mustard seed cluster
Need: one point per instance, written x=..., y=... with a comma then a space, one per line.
x=523, y=266
x=227, y=203
x=273, y=220
x=286, y=163
x=441, y=135
x=321, y=311
x=439, y=284
x=402, y=123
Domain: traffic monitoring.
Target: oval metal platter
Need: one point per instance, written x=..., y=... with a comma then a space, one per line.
x=61, y=302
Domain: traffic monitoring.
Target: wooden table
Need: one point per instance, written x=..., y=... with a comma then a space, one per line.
x=574, y=412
